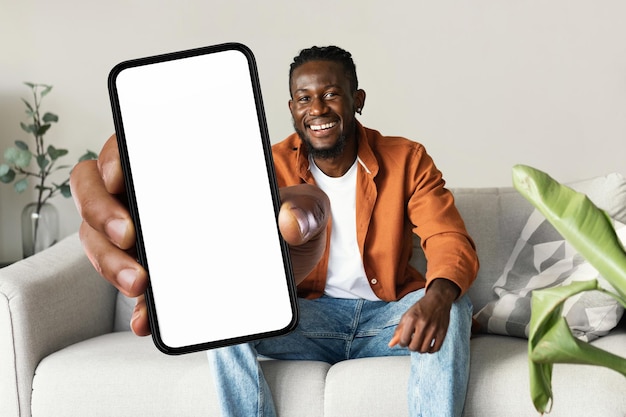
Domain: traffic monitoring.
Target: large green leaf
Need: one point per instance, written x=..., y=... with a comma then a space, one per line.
x=591, y=233
x=550, y=341
x=547, y=307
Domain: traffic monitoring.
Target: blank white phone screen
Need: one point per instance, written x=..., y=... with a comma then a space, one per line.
x=203, y=198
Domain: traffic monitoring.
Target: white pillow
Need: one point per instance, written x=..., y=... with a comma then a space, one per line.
x=542, y=258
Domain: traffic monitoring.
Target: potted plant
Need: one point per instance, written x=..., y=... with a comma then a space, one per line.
x=590, y=231
x=39, y=219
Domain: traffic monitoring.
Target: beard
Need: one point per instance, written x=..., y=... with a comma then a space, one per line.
x=329, y=153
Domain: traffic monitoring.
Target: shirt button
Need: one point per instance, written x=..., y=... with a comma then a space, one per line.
x=374, y=281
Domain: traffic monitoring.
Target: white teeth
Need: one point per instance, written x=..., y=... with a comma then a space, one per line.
x=324, y=126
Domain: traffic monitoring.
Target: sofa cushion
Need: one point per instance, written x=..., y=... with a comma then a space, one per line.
x=120, y=374
x=542, y=258
x=499, y=382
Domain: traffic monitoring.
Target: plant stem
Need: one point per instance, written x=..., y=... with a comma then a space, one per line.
x=43, y=175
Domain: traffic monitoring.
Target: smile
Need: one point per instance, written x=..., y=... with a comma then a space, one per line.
x=323, y=126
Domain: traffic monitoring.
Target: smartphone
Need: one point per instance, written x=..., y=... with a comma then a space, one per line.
x=202, y=192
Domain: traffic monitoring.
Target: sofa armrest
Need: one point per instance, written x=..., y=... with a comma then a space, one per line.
x=47, y=302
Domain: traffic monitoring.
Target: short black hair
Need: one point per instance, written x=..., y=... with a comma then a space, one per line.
x=326, y=53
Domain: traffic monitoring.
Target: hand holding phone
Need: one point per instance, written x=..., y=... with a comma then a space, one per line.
x=199, y=177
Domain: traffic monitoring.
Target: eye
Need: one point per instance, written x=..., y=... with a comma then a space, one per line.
x=303, y=99
x=330, y=94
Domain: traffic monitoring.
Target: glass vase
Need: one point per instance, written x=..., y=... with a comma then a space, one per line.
x=40, y=228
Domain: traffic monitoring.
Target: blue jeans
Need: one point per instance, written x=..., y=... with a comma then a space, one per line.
x=333, y=330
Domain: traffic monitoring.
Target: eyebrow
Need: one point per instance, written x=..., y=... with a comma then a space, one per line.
x=337, y=86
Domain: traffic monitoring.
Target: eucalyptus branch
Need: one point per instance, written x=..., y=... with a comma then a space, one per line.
x=27, y=173
x=19, y=159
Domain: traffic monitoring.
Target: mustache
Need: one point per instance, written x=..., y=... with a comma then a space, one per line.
x=328, y=153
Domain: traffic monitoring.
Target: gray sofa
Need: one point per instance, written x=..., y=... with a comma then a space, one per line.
x=65, y=348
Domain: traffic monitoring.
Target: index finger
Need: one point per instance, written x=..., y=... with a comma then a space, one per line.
x=110, y=166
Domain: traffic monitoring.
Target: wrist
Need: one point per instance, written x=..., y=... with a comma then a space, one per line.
x=445, y=289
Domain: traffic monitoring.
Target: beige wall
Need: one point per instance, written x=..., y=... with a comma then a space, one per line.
x=483, y=84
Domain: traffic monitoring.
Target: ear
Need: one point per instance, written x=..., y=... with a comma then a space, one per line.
x=359, y=100
x=290, y=106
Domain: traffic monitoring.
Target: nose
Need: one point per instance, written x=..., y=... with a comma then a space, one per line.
x=318, y=106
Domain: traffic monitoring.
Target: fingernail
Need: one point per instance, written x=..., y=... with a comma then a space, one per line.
x=135, y=316
x=126, y=278
x=106, y=169
x=116, y=229
x=303, y=222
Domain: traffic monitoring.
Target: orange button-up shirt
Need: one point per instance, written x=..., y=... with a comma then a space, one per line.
x=400, y=191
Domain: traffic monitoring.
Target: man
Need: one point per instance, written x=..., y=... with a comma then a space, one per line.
x=359, y=297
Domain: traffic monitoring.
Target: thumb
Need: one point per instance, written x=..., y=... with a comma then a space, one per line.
x=302, y=221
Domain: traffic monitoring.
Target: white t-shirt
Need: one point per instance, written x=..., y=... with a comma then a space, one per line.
x=346, y=276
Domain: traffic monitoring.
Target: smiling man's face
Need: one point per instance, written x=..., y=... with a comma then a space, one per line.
x=322, y=106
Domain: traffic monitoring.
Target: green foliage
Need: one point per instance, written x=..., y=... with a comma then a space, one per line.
x=19, y=158
x=591, y=233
